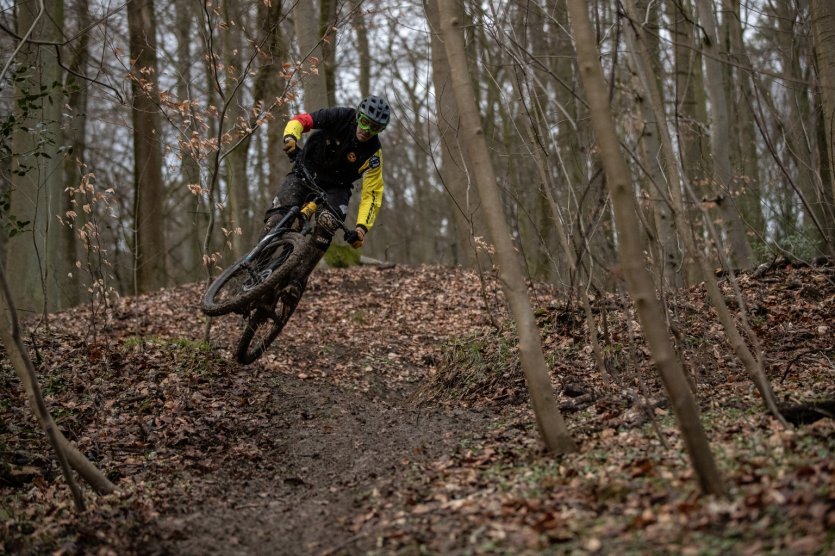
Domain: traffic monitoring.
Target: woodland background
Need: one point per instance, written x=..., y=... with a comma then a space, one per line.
x=139, y=142
x=649, y=164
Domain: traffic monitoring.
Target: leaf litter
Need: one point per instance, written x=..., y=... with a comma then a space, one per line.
x=391, y=417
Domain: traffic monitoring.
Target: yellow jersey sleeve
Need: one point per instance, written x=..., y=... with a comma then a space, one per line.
x=371, y=198
x=295, y=128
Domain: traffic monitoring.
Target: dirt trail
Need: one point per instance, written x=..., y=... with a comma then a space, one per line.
x=342, y=432
x=330, y=455
x=320, y=448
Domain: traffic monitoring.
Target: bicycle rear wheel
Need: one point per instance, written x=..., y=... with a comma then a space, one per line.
x=264, y=326
x=244, y=283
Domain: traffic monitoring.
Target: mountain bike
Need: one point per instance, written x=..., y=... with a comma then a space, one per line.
x=266, y=284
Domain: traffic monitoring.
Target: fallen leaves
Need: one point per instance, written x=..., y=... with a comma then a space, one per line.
x=180, y=426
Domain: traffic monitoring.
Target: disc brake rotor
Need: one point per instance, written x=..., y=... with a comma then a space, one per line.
x=262, y=275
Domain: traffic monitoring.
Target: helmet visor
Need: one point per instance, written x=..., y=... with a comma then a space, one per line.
x=368, y=125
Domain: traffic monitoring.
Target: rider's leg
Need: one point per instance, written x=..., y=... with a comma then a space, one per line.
x=328, y=221
x=338, y=199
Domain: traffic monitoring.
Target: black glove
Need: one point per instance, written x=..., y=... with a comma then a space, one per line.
x=355, y=238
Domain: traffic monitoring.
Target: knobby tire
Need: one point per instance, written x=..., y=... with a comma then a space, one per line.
x=252, y=345
x=235, y=291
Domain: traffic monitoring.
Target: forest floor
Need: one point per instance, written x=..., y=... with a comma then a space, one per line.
x=391, y=417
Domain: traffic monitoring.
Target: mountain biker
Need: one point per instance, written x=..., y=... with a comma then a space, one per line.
x=343, y=147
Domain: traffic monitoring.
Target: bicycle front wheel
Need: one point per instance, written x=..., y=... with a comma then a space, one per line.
x=264, y=326
x=244, y=283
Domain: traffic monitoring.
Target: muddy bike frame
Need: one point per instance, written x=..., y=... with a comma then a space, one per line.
x=266, y=284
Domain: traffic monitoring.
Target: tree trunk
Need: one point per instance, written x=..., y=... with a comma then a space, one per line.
x=690, y=106
x=236, y=161
x=464, y=204
x=40, y=254
x=363, y=51
x=744, y=144
x=658, y=192
x=327, y=32
x=75, y=162
x=631, y=250
x=192, y=220
x=823, y=33
x=550, y=421
x=149, y=246
x=270, y=86
x=314, y=83
x=739, y=248
x=62, y=289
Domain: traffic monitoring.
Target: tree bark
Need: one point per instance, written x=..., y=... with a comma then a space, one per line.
x=549, y=420
x=314, y=83
x=659, y=192
x=75, y=162
x=638, y=281
x=190, y=222
x=363, y=51
x=270, y=87
x=62, y=289
x=237, y=160
x=327, y=33
x=149, y=237
x=690, y=105
x=823, y=33
x=739, y=249
x=464, y=206
x=39, y=253
x=744, y=144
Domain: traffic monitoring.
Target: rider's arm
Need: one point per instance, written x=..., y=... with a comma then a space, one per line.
x=372, y=191
x=319, y=119
x=297, y=125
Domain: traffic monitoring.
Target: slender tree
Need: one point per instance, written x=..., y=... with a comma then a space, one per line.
x=75, y=160
x=738, y=82
x=689, y=104
x=753, y=364
x=40, y=254
x=358, y=20
x=327, y=36
x=550, y=421
x=823, y=32
x=68, y=455
x=658, y=191
x=186, y=225
x=740, y=250
x=306, y=18
x=631, y=249
x=149, y=238
x=464, y=199
x=236, y=159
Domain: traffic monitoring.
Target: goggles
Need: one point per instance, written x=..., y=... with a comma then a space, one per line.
x=368, y=125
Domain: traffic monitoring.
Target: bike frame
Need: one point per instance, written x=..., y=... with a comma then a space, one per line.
x=305, y=244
